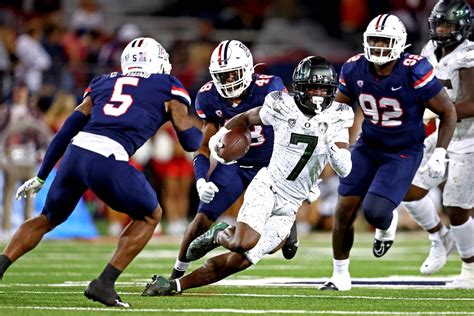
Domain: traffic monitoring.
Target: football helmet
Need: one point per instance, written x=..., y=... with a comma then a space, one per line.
x=146, y=55
x=456, y=13
x=231, y=68
x=314, y=72
x=389, y=27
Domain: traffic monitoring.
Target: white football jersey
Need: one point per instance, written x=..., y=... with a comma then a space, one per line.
x=447, y=71
x=298, y=155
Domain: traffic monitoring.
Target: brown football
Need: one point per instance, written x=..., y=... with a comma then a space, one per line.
x=236, y=144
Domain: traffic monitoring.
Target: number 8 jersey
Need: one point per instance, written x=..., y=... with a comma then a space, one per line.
x=130, y=108
x=393, y=105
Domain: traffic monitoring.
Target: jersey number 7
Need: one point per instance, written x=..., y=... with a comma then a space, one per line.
x=312, y=141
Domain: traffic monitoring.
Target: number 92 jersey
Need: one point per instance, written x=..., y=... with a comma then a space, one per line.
x=213, y=108
x=393, y=105
x=131, y=108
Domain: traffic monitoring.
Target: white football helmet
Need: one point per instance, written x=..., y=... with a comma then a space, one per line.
x=385, y=26
x=146, y=55
x=231, y=59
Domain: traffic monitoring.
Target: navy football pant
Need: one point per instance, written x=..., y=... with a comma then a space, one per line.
x=387, y=176
x=117, y=183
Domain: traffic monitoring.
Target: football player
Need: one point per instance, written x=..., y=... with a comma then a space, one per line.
x=310, y=131
x=234, y=89
x=392, y=89
x=119, y=112
x=452, y=55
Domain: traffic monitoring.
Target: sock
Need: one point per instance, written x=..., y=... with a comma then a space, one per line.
x=424, y=212
x=341, y=266
x=180, y=265
x=177, y=285
x=5, y=262
x=110, y=274
x=439, y=234
x=463, y=236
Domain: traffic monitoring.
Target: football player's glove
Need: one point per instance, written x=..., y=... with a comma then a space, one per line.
x=436, y=165
x=33, y=185
x=206, y=190
x=215, y=144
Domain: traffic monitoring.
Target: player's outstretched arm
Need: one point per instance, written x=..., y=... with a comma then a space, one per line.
x=75, y=122
x=189, y=136
x=73, y=125
x=465, y=107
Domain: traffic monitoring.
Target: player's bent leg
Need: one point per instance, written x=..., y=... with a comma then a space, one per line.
x=213, y=270
x=132, y=240
x=25, y=239
x=198, y=226
x=381, y=213
x=203, y=244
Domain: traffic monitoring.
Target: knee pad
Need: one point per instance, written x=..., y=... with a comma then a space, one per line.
x=378, y=211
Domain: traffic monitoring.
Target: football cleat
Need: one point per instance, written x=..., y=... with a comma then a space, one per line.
x=384, y=238
x=200, y=246
x=439, y=252
x=337, y=283
x=290, y=247
x=160, y=286
x=465, y=280
x=99, y=292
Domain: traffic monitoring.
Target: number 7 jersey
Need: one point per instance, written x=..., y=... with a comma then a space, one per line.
x=393, y=105
x=299, y=156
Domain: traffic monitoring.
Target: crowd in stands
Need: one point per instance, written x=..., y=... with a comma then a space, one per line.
x=51, y=49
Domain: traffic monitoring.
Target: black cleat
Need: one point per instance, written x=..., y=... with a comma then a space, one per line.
x=290, y=247
x=200, y=246
x=380, y=248
x=160, y=286
x=99, y=292
x=328, y=286
x=176, y=274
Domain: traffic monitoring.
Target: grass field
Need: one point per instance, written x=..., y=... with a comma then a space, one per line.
x=51, y=280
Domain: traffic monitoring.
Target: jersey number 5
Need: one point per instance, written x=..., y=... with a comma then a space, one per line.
x=125, y=100
x=312, y=141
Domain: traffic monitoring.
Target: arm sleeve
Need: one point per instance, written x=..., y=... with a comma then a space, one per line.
x=75, y=123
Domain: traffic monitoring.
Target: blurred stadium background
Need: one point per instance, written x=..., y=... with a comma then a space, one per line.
x=51, y=49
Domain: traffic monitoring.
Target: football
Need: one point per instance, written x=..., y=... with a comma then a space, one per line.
x=236, y=144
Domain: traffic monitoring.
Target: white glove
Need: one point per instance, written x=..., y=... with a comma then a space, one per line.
x=314, y=193
x=436, y=165
x=215, y=144
x=33, y=185
x=206, y=190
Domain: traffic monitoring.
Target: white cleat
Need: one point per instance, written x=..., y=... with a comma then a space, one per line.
x=439, y=252
x=465, y=280
x=384, y=238
x=337, y=283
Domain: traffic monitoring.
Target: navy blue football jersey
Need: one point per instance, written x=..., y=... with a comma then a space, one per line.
x=131, y=108
x=213, y=108
x=393, y=105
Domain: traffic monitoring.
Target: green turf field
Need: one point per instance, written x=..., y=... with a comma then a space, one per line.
x=51, y=279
